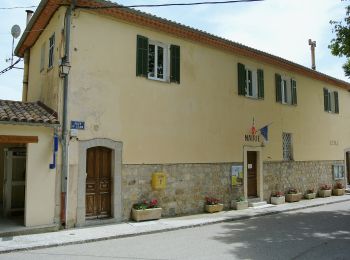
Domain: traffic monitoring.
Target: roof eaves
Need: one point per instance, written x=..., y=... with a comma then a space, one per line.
x=30, y=25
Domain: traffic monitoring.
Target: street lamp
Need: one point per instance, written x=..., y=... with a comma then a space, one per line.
x=64, y=68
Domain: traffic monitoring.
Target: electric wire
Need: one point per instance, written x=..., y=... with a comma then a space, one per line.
x=145, y=5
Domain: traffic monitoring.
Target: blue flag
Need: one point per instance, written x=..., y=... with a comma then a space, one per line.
x=265, y=132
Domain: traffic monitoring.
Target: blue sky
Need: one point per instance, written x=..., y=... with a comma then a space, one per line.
x=279, y=27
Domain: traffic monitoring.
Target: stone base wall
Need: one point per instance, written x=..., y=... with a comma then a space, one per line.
x=186, y=188
x=189, y=184
x=280, y=176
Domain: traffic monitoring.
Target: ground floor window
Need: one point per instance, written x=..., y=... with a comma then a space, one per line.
x=287, y=146
x=338, y=171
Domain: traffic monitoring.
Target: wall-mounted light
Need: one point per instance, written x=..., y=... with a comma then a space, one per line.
x=64, y=68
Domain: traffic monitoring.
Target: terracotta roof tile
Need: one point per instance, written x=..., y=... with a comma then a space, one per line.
x=27, y=112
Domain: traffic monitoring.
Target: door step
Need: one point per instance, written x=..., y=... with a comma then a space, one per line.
x=255, y=204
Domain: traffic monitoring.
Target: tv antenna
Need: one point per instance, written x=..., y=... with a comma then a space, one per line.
x=15, y=32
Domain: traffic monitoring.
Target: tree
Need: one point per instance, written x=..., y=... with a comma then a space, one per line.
x=340, y=45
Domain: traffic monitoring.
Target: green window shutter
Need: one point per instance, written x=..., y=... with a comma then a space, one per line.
x=336, y=102
x=278, y=80
x=294, y=92
x=326, y=100
x=142, y=56
x=175, y=63
x=241, y=80
x=260, y=83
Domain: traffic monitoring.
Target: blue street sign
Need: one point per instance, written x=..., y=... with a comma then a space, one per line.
x=80, y=125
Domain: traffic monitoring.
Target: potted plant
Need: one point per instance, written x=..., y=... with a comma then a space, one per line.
x=325, y=191
x=310, y=194
x=240, y=203
x=212, y=205
x=293, y=195
x=146, y=210
x=278, y=198
x=338, y=189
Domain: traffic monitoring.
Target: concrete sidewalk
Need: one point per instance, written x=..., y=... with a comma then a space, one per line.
x=90, y=234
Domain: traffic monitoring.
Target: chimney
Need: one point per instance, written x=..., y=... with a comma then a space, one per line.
x=29, y=15
x=313, y=45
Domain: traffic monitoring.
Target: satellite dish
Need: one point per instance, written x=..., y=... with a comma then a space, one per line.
x=16, y=31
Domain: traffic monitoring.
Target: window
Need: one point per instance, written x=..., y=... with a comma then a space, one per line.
x=157, y=62
x=287, y=146
x=338, y=171
x=42, y=57
x=51, y=50
x=331, y=101
x=286, y=90
x=154, y=62
x=250, y=82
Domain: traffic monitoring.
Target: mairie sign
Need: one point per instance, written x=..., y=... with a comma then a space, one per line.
x=252, y=138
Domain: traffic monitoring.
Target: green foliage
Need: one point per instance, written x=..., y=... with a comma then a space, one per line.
x=340, y=45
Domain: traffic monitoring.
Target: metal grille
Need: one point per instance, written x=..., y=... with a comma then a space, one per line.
x=287, y=146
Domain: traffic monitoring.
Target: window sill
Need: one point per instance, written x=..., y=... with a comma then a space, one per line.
x=254, y=98
x=159, y=80
x=288, y=104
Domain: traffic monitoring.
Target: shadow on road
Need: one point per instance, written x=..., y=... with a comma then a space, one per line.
x=298, y=235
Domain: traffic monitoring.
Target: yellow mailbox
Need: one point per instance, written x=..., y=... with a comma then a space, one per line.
x=158, y=181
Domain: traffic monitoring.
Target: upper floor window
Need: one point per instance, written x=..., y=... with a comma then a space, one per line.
x=157, y=61
x=286, y=90
x=331, y=101
x=287, y=146
x=153, y=60
x=51, y=50
x=250, y=82
x=42, y=56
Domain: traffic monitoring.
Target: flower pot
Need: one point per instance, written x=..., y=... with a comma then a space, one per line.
x=214, y=208
x=293, y=197
x=146, y=214
x=338, y=192
x=239, y=205
x=324, y=193
x=310, y=196
x=278, y=200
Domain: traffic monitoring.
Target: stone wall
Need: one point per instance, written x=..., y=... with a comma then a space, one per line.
x=186, y=189
x=189, y=184
x=280, y=176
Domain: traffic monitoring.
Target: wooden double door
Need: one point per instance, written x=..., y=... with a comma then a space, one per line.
x=252, y=174
x=98, y=182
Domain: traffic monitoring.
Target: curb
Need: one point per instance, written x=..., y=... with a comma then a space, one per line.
x=229, y=219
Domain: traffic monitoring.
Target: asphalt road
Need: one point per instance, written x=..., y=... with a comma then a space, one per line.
x=314, y=233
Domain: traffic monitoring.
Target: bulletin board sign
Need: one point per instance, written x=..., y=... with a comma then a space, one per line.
x=236, y=175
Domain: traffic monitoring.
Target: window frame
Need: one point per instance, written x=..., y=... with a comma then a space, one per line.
x=340, y=169
x=331, y=99
x=284, y=151
x=286, y=90
x=254, y=74
x=42, y=56
x=51, y=57
x=166, y=61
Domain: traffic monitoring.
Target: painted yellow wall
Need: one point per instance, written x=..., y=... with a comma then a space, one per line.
x=201, y=120
x=40, y=180
x=45, y=85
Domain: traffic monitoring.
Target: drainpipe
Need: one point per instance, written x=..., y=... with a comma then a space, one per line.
x=26, y=64
x=65, y=133
x=25, y=76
